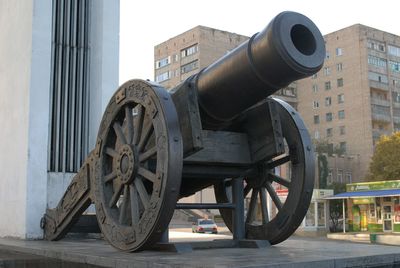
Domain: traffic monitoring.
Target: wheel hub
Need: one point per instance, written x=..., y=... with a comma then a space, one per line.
x=127, y=164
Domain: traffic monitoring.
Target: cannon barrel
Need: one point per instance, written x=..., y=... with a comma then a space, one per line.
x=290, y=48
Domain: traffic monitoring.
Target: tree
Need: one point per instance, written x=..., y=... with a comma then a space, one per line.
x=385, y=164
x=336, y=206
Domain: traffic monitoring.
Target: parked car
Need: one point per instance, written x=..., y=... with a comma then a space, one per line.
x=204, y=226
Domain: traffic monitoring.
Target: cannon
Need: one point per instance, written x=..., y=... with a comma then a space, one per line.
x=219, y=128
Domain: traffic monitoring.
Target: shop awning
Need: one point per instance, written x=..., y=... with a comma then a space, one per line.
x=375, y=193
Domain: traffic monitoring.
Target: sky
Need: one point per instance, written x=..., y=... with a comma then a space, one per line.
x=145, y=24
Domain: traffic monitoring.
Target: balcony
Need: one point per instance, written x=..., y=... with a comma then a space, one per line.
x=380, y=102
x=396, y=119
x=396, y=104
x=381, y=117
x=377, y=133
x=378, y=85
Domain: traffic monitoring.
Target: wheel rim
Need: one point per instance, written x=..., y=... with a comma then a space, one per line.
x=259, y=190
x=139, y=165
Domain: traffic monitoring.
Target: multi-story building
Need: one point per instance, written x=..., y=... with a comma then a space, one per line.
x=354, y=98
x=186, y=54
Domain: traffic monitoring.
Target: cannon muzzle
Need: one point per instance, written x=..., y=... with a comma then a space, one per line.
x=290, y=48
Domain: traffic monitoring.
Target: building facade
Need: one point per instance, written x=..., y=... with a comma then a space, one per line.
x=186, y=54
x=58, y=69
x=354, y=98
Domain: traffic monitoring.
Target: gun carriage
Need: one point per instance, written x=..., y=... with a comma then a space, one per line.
x=218, y=128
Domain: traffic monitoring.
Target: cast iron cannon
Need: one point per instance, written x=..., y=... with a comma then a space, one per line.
x=218, y=128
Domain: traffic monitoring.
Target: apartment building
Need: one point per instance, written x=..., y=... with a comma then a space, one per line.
x=354, y=98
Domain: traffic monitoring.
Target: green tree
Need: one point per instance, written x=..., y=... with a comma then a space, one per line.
x=336, y=206
x=385, y=164
x=322, y=148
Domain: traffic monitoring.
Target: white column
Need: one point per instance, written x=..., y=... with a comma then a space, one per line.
x=344, y=216
x=104, y=60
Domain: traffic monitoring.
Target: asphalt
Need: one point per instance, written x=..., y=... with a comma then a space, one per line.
x=294, y=252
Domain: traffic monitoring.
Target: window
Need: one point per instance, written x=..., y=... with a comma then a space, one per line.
x=376, y=61
x=163, y=76
x=340, y=175
x=328, y=101
x=315, y=88
x=328, y=85
x=316, y=119
x=316, y=134
x=330, y=149
x=347, y=177
x=327, y=55
x=314, y=76
x=396, y=96
x=329, y=178
x=329, y=132
x=340, y=98
x=393, y=50
x=189, y=51
x=190, y=66
x=396, y=83
x=343, y=146
x=315, y=104
x=376, y=45
x=342, y=130
x=177, y=72
x=163, y=62
x=394, y=66
x=329, y=117
x=176, y=57
x=341, y=114
x=339, y=67
x=339, y=51
x=327, y=71
x=381, y=78
x=340, y=82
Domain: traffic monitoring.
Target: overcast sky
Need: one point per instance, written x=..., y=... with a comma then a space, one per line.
x=147, y=23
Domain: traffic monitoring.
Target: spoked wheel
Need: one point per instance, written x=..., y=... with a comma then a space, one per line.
x=138, y=172
x=269, y=216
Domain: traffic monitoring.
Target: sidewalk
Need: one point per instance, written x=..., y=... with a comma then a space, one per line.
x=366, y=237
x=294, y=252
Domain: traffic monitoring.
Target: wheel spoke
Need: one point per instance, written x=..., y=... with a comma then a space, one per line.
x=110, y=177
x=142, y=193
x=147, y=131
x=129, y=124
x=280, y=180
x=273, y=195
x=278, y=162
x=246, y=190
x=115, y=197
x=125, y=200
x=138, y=124
x=264, y=208
x=147, y=174
x=148, y=154
x=111, y=152
x=120, y=134
x=134, y=205
x=251, y=213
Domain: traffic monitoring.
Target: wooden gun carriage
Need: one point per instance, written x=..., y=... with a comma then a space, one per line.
x=218, y=128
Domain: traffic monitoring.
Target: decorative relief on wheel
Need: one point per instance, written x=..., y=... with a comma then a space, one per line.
x=278, y=195
x=139, y=167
